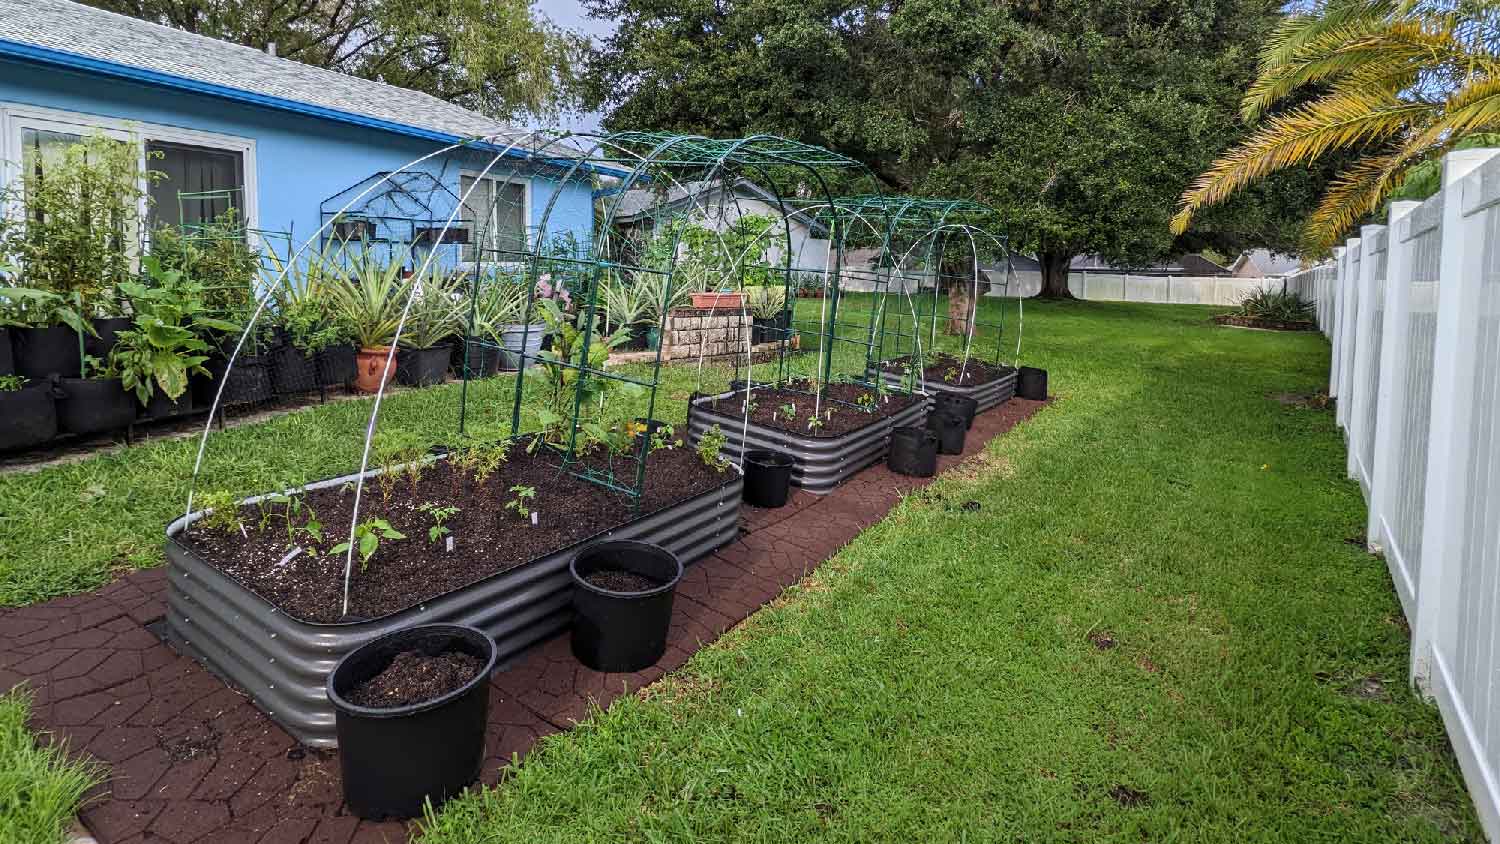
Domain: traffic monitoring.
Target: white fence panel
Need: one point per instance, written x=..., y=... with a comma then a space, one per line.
x=1414, y=323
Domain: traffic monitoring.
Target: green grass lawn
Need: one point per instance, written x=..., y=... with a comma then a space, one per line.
x=1153, y=630
x=39, y=787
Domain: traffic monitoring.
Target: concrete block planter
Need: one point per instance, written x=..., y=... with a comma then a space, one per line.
x=989, y=394
x=282, y=663
x=822, y=462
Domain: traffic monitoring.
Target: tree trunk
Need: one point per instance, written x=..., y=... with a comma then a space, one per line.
x=960, y=306
x=1055, y=275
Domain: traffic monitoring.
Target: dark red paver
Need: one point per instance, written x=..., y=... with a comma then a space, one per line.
x=192, y=760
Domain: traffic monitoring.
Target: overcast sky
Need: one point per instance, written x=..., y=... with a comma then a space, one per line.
x=570, y=14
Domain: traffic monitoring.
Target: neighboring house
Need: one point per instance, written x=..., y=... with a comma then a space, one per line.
x=718, y=206
x=1188, y=265
x=284, y=142
x=1263, y=263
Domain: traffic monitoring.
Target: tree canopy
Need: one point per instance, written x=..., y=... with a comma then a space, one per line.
x=1081, y=120
x=494, y=56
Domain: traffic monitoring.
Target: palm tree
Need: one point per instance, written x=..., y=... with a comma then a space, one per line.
x=1397, y=82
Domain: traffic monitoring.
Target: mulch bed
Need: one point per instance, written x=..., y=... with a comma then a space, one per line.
x=191, y=759
x=1265, y=324
x=943, y=368
x=415, y=677
x=488, y=538
x=843, y=400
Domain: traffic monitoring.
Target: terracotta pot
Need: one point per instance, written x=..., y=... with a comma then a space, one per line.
x=719, y=300
x=372, y=369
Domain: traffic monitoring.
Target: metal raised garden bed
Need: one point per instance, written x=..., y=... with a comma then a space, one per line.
x=282, y=662
x=989, y=394
x=822, y=462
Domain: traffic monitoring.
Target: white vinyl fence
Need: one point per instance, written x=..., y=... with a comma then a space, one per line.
x=1125, y=287
x=1413, y=311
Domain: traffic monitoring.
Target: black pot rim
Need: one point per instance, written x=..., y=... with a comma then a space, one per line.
x=634, y=544
x=341, y=704
x=912, y=431
x=770, y=459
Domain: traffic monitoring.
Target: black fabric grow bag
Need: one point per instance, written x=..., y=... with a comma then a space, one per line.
x=422, y=367
x=623, y=631
x=94, y=405
x=161, y=407
x=394, y=759
x=913, y=452
x=950, y=430
x=484, y=359
x=28, y=416
x=41, y=353
x=249, y=381
x=7, y=354
x=959, y=405
x=1033, y=384
x=108, y=330
x=768, y=477
x=336, y=366
x=292, y=371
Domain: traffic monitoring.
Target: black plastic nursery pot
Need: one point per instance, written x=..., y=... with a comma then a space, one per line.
x=108, y=329
x=44, y=352
x=423, y=367
x=768, y=478
x=960, y=405
x=94, y=405
x=1033, y=384
x=394, y=759
x=28, y=416
x=7, y=354
x=623, y=631
x=950, y=430
x=913, y=452
x=336, y=366
x=483, y=360
x=292, y=370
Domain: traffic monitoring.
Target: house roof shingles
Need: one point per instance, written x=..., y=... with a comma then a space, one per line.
x=66, y=27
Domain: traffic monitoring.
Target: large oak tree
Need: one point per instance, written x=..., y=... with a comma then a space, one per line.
x=494, y=56
x=1081, y=120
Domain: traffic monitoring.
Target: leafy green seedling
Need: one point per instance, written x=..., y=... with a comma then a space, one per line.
x=367, y=537
x=521, y=495
x=438, y=514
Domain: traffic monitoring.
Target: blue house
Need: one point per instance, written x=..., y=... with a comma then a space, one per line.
x=287, y=144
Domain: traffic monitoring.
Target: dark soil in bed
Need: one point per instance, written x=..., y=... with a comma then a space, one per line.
x=487, y=537
x=843, y=399
x=948, y=370
x=617, y=580
x=414, y=677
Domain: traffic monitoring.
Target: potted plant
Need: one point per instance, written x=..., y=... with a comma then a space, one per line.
x=163, y=347
x=411, y=708
x=625, y=307
x=97, y=402
x=523, y=341
x=28, y=412
x=433, y=318
x=660, y=301
x=45, y=331
x=622, y=603
x=497, y=304
x=315, y=347
x=769, y=313
x=370, y=297
x=719, y=300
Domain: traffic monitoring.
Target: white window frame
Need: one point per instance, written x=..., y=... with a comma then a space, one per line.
x=15, y=117
x=511, y=177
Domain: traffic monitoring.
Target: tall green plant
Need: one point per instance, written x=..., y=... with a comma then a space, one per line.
x=81, y=224
x=163, y=346
x=437, y=314
x=371, y=295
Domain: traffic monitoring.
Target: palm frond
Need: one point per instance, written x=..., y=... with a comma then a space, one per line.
x=1356, y=193
x=1340, y=120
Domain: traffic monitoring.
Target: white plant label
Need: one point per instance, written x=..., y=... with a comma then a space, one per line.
x=533, y=518
x=450, y=545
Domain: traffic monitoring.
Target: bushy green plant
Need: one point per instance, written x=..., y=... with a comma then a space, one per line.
x=306, y=304
x=368, y=535
x=710, y=448
x=767, y=302
x=625, y=304
x=1276, y=305
x=163, y=345
x=80, y=225
x=436, y=314
x=370, y=297
x=216, y=254
x=11, y=383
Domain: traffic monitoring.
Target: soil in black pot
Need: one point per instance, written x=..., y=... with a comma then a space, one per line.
x=617, y=580
x=487, y=537
x=943, y=368
x=415, y=677
x=843, y=399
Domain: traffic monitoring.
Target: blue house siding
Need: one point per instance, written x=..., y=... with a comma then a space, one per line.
x=298, y=160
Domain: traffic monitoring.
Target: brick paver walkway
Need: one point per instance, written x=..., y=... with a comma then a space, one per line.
x=192, y=760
